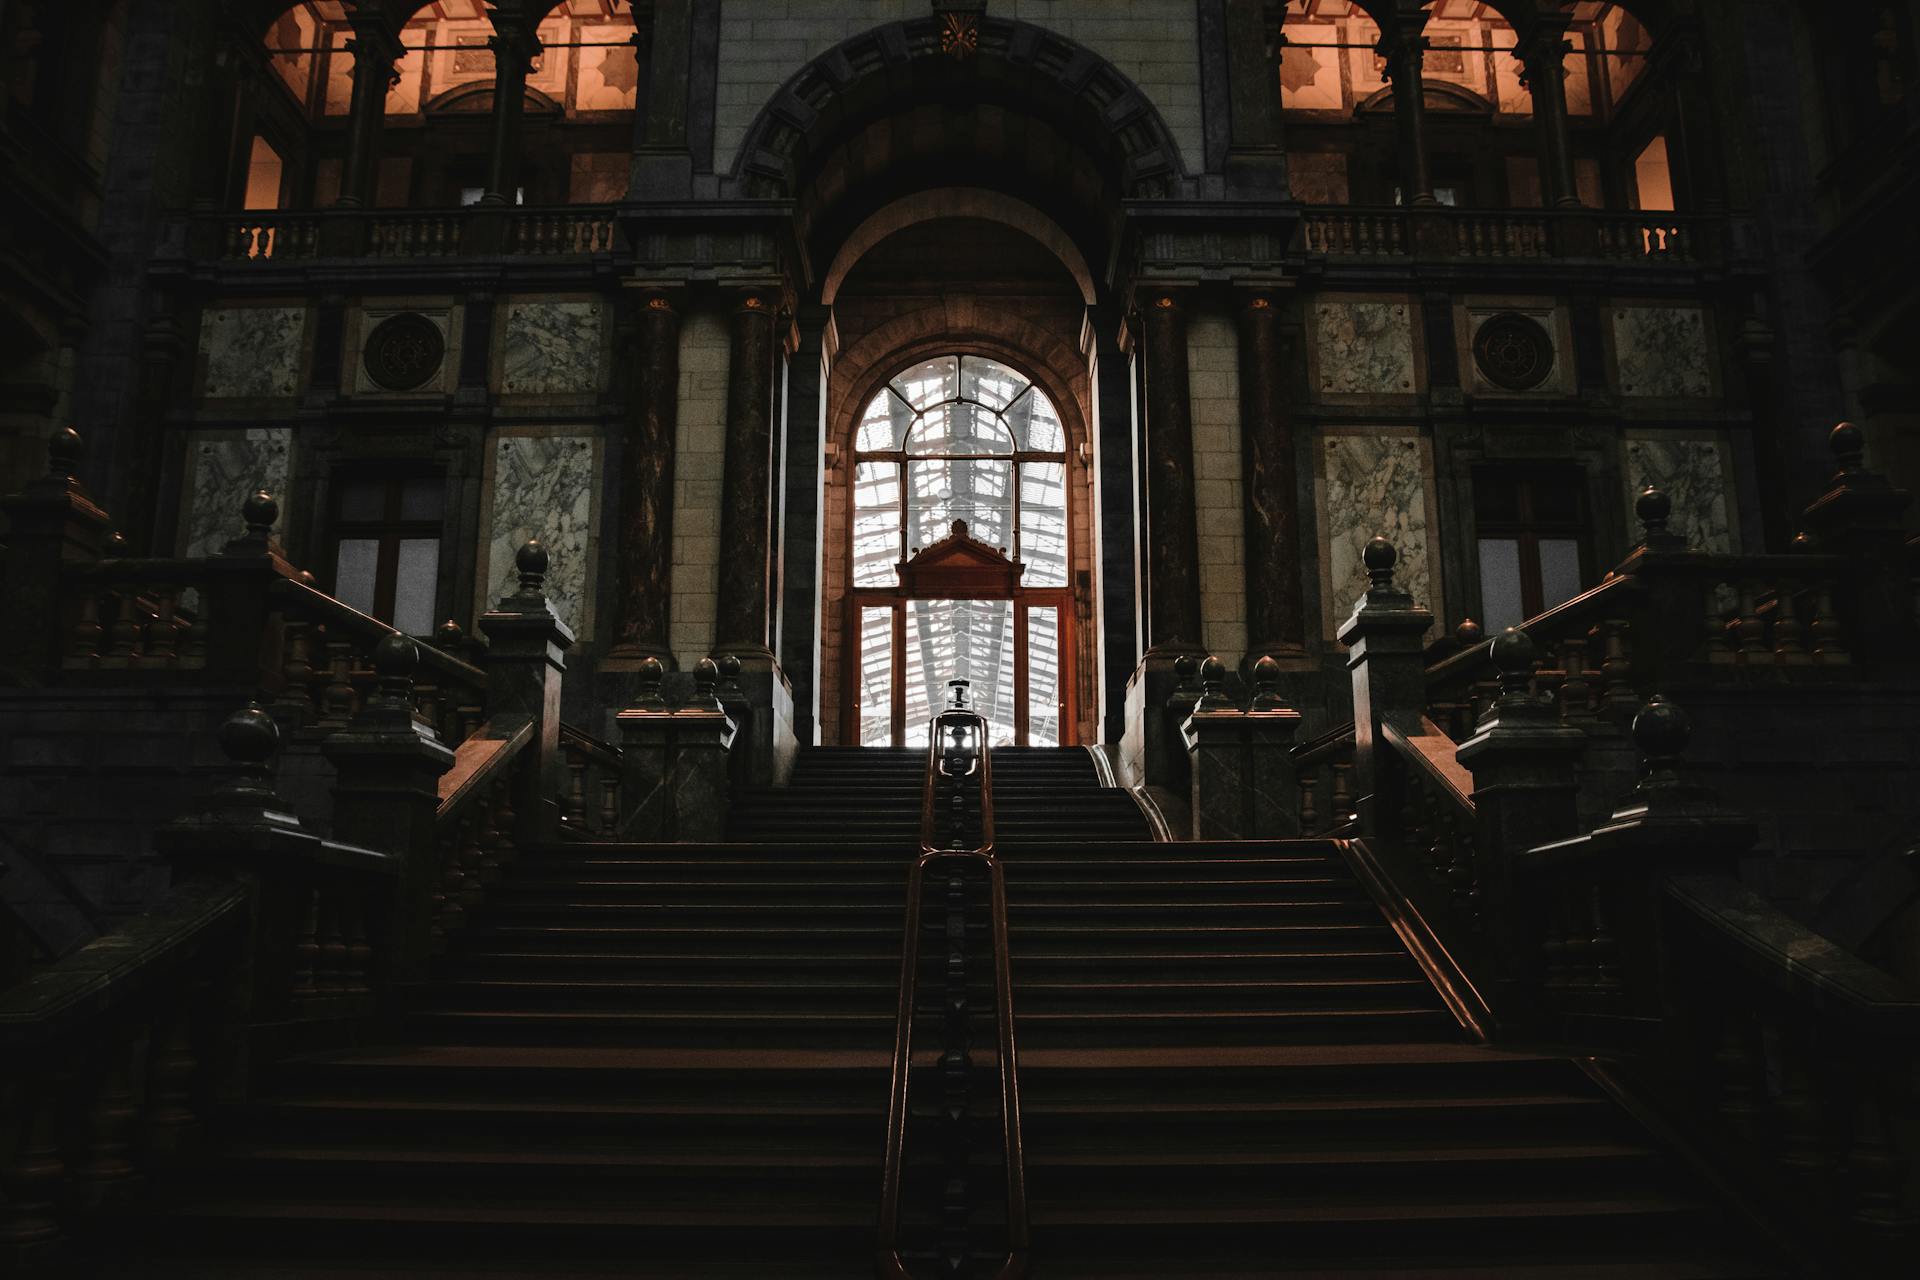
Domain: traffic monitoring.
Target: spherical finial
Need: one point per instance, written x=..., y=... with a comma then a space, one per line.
x=1266, y=672
x=531, y=558
x=1213, y=673
x=706, y=673
x=308, y=580
x=1380, y=557
x=395, y=657
x=1849, y=445
x=249, y=737
x=260, y=511
x=1652, y=508
x=1185, y=669
x=65, y=448
x=651, y=674
x=1661, y=730
x=1469, y=633
x=448, y=635
x=729, y=665
x=1512, y=650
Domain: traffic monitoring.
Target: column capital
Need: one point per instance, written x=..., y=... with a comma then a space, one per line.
x=1541, y=43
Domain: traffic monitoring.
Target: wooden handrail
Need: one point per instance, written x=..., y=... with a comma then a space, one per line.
x=318, y=606
x=889, y=1264
x=586, y=744
x=1325, y=747
x=1431, y=752
x=476, y=762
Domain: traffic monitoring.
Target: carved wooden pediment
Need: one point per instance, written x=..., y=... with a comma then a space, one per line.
x=959, y=567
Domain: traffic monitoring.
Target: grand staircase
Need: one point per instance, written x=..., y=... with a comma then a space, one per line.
x=672, y=1061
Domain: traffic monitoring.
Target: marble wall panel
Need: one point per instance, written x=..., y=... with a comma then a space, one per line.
x=1662, y=351
x=1364, y=347
x=1693, y=472
x=551, y=348
x=1374, y=484
x=251, y=351
x=543, y=487
x=223, y=468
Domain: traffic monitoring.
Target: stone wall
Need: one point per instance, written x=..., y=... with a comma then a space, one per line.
x=763, y=43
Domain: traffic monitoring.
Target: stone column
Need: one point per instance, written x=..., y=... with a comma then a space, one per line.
x=514, y=46
x=1276, y=622
x=375, y=50
x=646, y=485
x=1173, y=559
x=1681, y=57
x=1405, y=48
x=746, y=493
x=1542, y=49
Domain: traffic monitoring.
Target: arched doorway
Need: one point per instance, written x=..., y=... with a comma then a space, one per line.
x=959, y=555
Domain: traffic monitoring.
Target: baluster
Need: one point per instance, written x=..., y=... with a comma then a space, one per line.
x=171, y=1121
x=1824, y=631
x=486, y=862
x=122, y=632
x=444, y=845
x=357, y=968
x=1604, y=949
x=306, y=949
x=87, y=632
x=1576, y=695
x=575, y=806
x=1309, y=780
x=193, y=652
x=1874, y=1162
x=1739, y=1067
x=1806, y=1145
x=295, y=703
x=1616, y=672
x=1788, y=651
x=1342, y=797
x=610, y=803
x=1749, y=629
x=1461, y=880
x=331, y=974
x=163, y=631
x=336, y=701
x=33, y=1171
x=453, y=878
x=107, y=1163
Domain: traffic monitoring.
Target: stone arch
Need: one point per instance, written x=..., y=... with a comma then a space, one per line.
x=957, y=202
x=1016, y=64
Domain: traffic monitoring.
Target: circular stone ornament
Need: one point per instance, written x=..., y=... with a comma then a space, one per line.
x=404, y=352
x=1514, y=352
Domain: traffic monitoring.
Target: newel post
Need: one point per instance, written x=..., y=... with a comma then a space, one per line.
x=388, y=765
x=1525, y=790
x=1859, y=516
x=1385, y=640
x=526, y=656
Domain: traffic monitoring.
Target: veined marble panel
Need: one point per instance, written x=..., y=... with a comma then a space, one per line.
x=1662, y=351
x=543, y=488
x=223, y=469
x=252, y=351
x=1364, y=348
x=1692, y=472
x=1373, y=484
x=551, y=347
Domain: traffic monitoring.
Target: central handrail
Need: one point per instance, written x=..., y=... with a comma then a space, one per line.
x=889, y=1264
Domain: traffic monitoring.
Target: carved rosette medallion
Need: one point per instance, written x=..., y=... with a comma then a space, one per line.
x=1514, y=352
x=404, y=352
x=959, y=34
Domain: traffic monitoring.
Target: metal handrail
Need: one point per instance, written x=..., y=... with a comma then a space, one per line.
x=889, y=1264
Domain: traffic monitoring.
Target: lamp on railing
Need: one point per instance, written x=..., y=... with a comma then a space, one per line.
x=962, y=733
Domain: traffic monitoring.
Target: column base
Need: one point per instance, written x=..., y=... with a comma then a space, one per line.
x=1152, y=752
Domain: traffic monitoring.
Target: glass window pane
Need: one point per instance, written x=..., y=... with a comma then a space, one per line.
x=977, y=490
x=876, y=523
x=415, y=582
x=354, y=572
x=1043, y=523
x=960, y=640
x=990, y=382
x=876, y=676
x=929, y=382
x=422, y=497
x=1500, y=584
x=1036, y=424
x=884, y=424
x=1043, y=677
x=959, y=427
x=1559, y=570
x=363, y=498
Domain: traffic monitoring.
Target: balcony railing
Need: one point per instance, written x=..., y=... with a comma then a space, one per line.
x=276, y=238
x=1648, y=237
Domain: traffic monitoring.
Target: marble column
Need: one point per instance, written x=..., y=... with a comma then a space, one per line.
x=375, y=51
x=746, y=496
x=1276, y=622
x=514, y=46
x=646, y=484
x=1542, y=49
x=1405, y=49
x=1173, y=559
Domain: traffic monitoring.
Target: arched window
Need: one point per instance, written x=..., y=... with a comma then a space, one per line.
x=963, y=458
